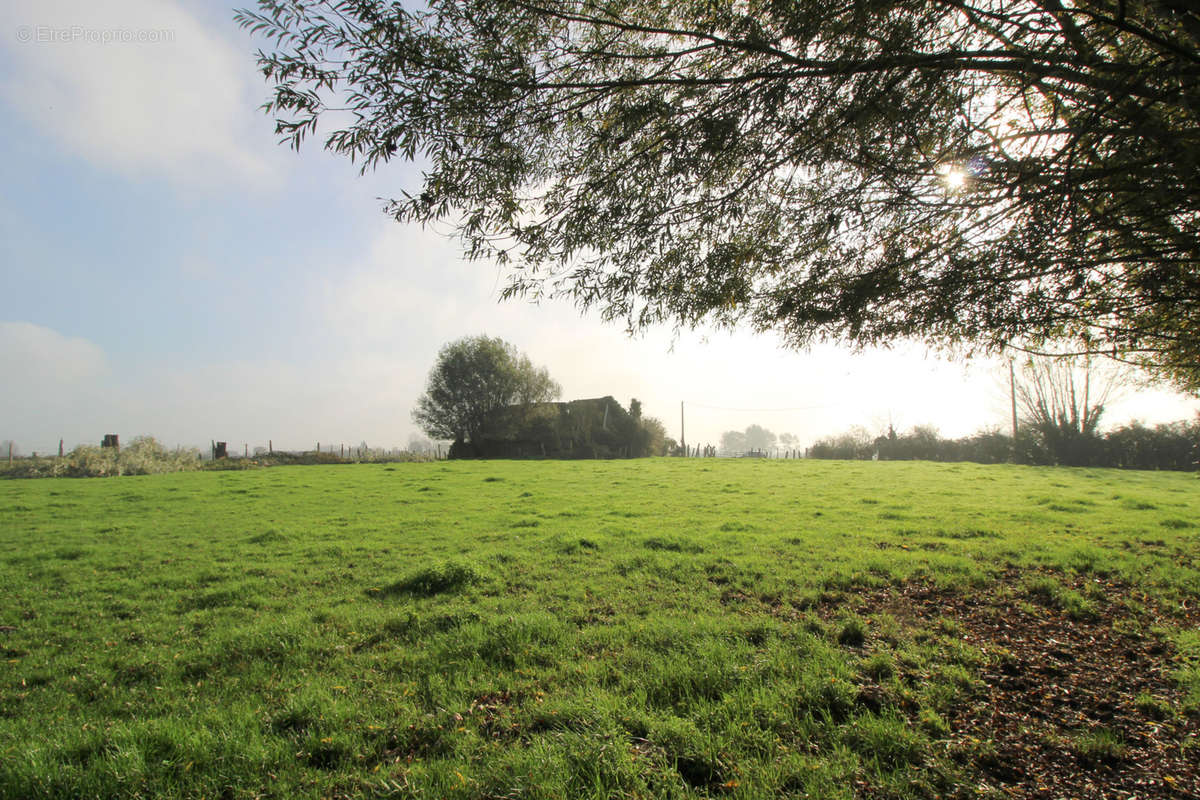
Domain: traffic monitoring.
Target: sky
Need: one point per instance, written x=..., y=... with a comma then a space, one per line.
x=167, y=268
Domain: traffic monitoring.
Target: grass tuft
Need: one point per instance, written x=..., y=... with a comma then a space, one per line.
x=853, y=632
x=1099, y=746
x=447, y=576
x=672, y=544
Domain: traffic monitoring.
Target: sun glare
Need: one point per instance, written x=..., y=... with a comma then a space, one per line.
x=954, y=177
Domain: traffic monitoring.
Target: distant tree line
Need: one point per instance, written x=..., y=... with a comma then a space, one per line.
x=1173, y=445
x=1061, y=402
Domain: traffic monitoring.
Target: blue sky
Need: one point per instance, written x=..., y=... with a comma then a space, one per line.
x=167, y=268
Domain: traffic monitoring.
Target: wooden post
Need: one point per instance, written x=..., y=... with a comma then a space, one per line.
x=270, y=447
x=343, y=451
x=60, y=448
x=246, y=450
x=318, y=447
x=10, y=453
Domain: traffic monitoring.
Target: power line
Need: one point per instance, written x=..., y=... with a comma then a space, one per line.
x=765, y=410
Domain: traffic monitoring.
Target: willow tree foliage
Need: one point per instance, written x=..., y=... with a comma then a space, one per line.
x=473, y=378
x=973, y=173
x=1062, y=402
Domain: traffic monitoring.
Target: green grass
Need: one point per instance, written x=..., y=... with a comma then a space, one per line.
x=662, y=628
x=1098, y=746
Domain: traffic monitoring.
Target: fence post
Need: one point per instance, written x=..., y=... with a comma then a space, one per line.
x=10, y=452
x=270, y=447
x=60, y=448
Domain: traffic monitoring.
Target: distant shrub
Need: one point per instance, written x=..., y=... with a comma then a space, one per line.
x=1174, y=445
x=854, y=444
x=144, y=455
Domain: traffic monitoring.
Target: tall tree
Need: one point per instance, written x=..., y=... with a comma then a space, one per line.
x=972, y=173
x=654, y=433
x=733, y=442
x=1062, y=402
x=759, y=438
x=473, y=378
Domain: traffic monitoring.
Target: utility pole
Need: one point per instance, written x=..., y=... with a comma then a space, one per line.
x=682, y=434
x=1012, y=389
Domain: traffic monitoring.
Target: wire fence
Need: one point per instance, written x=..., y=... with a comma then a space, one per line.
x=12, y=451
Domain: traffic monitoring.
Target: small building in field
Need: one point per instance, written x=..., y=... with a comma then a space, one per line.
x=597, y=427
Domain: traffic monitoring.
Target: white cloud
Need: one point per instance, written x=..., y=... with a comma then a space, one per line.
x=140, y=87
x=406, y=275
x=32, y=355
x=54, y=386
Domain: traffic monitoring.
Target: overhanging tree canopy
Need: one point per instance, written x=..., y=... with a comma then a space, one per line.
x=967, y=172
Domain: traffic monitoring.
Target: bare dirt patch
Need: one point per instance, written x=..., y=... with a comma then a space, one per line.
x=1073, y=705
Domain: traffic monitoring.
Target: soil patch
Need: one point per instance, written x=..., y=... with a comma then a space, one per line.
x=1073, y=705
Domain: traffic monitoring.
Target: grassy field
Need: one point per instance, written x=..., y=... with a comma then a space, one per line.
x=654, y=628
